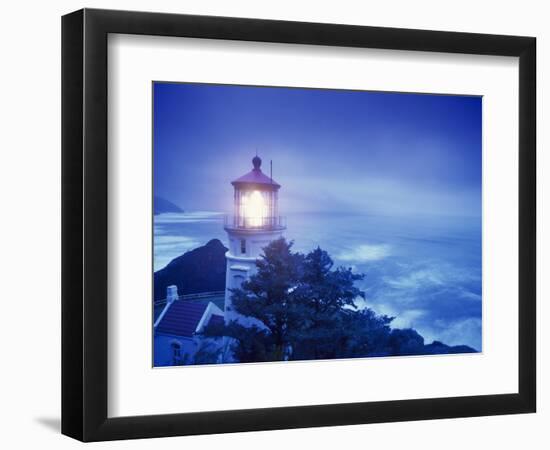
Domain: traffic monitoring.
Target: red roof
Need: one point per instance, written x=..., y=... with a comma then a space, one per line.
x=256, y=176
x=182, y=318
x=216, y=320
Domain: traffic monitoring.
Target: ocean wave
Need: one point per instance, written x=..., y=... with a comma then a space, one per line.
x=187, y=217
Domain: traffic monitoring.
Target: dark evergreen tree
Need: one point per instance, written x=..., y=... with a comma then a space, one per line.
x=270, y=297
x=324, y=294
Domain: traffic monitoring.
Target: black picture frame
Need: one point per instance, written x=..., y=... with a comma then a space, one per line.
x=85, y=236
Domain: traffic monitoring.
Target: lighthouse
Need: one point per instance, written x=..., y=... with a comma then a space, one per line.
x=253, y=224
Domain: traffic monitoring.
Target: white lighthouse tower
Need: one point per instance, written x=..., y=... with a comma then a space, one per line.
x=255, y=222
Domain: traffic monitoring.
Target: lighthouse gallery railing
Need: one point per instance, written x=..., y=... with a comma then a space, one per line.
x=254, y=223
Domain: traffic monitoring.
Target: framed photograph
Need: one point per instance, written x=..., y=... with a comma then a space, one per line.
x=273, y=224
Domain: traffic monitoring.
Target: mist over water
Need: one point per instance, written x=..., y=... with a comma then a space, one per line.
x=425, y=271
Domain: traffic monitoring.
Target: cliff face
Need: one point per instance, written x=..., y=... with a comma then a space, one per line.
x=199, y=270
x=439, y=348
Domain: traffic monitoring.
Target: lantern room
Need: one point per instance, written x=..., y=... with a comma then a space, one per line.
x=255, y=201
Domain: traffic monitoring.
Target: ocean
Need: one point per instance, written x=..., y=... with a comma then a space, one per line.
x=425, y=271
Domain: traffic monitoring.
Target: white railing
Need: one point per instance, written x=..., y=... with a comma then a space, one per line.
x=196, y=296
x=255, y=223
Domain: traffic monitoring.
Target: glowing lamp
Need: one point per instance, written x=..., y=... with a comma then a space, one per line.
x=255, y=200
x=255, y=210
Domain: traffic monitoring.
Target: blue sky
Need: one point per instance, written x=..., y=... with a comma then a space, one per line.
x=389, y=153
x=388, y=183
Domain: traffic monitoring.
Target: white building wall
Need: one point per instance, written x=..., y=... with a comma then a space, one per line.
x=164, y=355
x=241, y=265
x=255, y=241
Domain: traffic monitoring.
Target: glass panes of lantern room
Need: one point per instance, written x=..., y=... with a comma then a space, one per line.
x=255, y=208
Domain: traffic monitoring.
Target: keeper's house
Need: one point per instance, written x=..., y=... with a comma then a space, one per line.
x=176, y=328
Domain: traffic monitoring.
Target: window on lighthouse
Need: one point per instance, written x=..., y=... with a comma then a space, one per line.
x=254, y=209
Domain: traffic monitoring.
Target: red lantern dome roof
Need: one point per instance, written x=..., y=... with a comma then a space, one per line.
x=256, y=177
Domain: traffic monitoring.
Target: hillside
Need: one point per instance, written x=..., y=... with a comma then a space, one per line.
x=198, y=270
